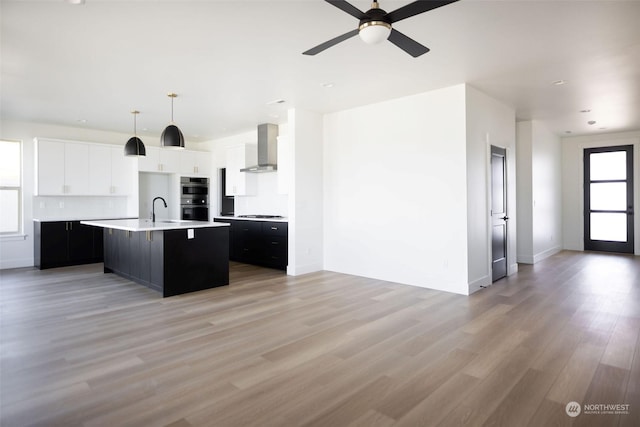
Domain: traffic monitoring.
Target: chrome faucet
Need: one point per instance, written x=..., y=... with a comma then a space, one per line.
x=153, y=211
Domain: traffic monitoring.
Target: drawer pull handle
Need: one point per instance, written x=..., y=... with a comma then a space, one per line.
x=274, y=228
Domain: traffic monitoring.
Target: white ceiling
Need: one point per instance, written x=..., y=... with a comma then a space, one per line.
x=227, y=59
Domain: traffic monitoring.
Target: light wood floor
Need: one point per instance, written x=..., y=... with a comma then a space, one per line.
x=80, y=347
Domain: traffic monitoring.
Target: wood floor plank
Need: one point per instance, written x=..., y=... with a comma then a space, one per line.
x=83, y=348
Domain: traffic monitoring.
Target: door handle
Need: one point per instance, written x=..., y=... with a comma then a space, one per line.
x=506, y=218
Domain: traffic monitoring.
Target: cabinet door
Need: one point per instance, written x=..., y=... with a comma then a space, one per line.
x=150, y=162
x=188, y=163
x=99, y=170
x=169, y=160
x=110, y=239
x=53, y=244
x=203, y=163
x=247, y=241
x=49, y=168
x=80, y=238
x=76, y=169
x=240, y=183
x=195, y=163
x=124, y=173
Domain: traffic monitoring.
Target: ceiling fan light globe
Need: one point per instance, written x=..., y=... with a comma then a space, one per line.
x=374, y=32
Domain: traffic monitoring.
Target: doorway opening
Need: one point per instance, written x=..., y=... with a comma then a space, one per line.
x=608, y=199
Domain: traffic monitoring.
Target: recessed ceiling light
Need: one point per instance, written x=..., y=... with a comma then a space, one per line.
x=76, y=2
x=591, y=122
x=585, y=111
x=559, y=82
x=276, y=101
x=327, y=85
x=602, y=128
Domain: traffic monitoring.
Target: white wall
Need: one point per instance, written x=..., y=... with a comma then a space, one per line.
x=539, y=192
x=395, y=191
x=306, y=219
x=572, y=187
x=488, y=122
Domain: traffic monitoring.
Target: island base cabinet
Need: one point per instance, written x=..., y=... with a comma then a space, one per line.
x=169, y=261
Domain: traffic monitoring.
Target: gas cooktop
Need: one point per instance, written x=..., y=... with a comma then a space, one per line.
x=261, y=216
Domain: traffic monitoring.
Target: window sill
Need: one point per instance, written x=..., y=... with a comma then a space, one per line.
x=12, y=237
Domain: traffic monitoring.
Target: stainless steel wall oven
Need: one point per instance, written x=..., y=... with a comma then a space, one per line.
x=194, y=198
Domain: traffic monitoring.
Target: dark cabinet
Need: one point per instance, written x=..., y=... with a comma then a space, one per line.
x=169, y=261
x=62, y=243
x=262, y=243
x=135, y=255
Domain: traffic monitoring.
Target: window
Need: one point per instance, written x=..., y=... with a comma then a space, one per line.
x=10, y=187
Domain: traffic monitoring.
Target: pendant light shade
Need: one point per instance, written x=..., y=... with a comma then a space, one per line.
x=134, y=146
x=172, y=136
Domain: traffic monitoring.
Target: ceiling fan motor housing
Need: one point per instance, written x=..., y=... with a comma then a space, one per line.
x=375, y=16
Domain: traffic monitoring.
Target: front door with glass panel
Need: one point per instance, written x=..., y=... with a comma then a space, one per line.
x=608, y=199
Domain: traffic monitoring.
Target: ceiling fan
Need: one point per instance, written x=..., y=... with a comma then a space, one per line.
x=375, y=25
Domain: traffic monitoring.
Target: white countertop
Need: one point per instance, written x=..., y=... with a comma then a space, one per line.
x=82, y=218
x=148, y=225
x=251, y=219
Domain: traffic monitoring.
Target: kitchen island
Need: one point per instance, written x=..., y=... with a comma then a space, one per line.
x=172, y=257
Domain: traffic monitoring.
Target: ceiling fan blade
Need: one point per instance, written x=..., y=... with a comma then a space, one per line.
x=347, y=7
x=332, y=42
x=416, y=8
x=407, y=44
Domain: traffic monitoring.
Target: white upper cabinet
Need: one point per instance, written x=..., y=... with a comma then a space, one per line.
x=111, y=173
x=100, y=170
x=159, y=160
x=195, y=163
x=62, y=168
x=240, y=183
x=124, y=173
x=83, y=169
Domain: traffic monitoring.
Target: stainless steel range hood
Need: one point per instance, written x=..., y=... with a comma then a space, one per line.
x=267, y=149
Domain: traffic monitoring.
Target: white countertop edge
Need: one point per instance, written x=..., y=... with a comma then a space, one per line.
x=236, y=218
x=147, y=225
x=82, y=218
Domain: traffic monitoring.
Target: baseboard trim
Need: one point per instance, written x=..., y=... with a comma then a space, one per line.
x=546, y=254
x=478, y=284
x=16, y=263
x=303, y=269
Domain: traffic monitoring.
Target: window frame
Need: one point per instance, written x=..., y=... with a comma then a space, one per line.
x=19, y=188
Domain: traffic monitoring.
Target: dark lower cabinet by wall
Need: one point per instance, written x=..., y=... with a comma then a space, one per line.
x=63, y=243
x=261, y=243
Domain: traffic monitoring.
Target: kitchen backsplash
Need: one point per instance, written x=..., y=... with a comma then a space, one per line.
x=267, y=200
x=80, y=207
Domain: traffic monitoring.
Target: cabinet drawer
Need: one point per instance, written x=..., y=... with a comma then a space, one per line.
x=275, y=229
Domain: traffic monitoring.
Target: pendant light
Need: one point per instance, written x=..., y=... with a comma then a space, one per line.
x=134, y=146
x=172, y=136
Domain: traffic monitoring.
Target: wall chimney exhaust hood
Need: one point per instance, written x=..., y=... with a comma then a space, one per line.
x=267, y=149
